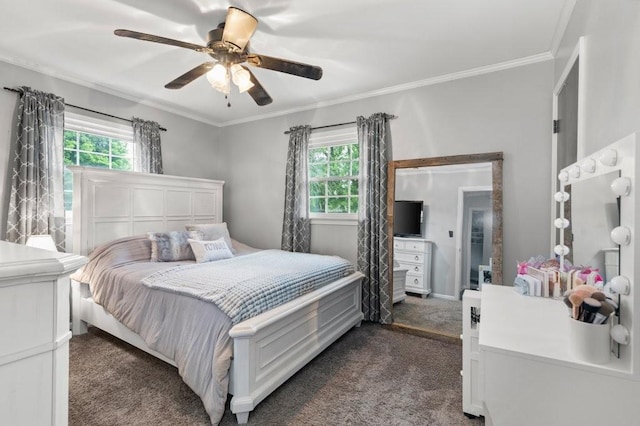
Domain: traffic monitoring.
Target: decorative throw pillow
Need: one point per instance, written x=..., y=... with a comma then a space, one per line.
x=171, y=246
x=213, y=231
x=209, y=251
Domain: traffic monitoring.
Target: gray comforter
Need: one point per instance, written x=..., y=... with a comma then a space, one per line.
x=191, y=331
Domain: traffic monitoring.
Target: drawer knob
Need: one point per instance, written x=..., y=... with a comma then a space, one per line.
x=415, y=281
x=417, y=258
x=416, y=269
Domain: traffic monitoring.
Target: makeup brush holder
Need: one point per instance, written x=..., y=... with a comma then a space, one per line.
x=590, y=342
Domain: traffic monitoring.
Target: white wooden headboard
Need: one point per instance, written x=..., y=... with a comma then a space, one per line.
x=110, y=204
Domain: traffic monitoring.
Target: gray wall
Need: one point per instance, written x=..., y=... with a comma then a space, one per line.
x=611, y=67
x=189, y=147
x=508, y=111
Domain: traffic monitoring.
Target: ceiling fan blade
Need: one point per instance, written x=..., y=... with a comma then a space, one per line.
x=161, y=40
x=239, y=26
x=189, y=76
x=257, y=92
x=290, y=67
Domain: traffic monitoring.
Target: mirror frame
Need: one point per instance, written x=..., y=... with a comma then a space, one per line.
x=496, y=160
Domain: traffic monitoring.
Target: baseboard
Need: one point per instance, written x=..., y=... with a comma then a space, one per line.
x=444, y=296
x=423, y=332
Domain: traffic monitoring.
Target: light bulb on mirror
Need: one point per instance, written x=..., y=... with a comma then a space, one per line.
x=561, y=196
x=563, y=176
x=621, y=235
x=620, y=334
x=561, y=223
x=574, y=172
x=609, y=157
x=621, y=186
x=620, y=285
x=589, y=166
x=561, y=250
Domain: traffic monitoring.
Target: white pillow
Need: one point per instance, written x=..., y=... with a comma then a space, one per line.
x=213, y=231
x=209, y=251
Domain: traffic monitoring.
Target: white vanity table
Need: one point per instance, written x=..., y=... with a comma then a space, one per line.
x=530, y=375
x=34, y=334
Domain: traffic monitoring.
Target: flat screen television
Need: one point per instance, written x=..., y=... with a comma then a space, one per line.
x=407, y=218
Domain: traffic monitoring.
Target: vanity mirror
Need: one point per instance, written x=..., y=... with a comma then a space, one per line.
x=592, y=212
x=596, y=228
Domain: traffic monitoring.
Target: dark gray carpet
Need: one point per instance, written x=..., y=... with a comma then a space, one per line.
x=435, y=314
x=371, y=376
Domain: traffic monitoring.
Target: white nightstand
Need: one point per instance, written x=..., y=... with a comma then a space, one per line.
x=399, y=279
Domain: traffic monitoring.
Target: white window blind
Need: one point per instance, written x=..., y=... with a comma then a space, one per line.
x=96, y=126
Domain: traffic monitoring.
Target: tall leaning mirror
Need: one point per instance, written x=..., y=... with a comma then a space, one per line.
x=445, y=216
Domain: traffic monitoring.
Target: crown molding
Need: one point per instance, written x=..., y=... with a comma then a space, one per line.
x=561, y=27
x=542, y=57
x=546, y=56
x=138, y=98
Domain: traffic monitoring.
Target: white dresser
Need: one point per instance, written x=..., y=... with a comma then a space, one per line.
x=414, y=255
x=34, y=334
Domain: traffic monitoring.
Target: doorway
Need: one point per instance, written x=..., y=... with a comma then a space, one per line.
x=567, y=138
x=474, y=242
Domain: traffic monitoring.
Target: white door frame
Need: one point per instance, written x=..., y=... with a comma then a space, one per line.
x=462, y=191
x=578, y=53
x=467, y=269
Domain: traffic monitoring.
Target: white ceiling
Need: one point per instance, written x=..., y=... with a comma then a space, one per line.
x=365, y=47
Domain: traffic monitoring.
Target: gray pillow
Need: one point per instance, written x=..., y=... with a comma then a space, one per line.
x=171, y=246
x=213, y=231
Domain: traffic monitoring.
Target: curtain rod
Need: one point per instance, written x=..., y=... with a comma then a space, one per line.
x=391, y=117
x=87, y=109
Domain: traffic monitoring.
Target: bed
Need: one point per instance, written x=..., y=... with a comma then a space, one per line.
x=251, y=357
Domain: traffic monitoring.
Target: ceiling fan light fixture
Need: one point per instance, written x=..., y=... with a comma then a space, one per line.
x=243, y=87
x=239, y=27
x=241, y=78
x=239, y=75
x=219, y=78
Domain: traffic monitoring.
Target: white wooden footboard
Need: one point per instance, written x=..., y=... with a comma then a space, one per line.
x=271, y=347
x=268, y=348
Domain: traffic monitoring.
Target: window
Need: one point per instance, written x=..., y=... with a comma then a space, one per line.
x=93, y=142
x=334, y=170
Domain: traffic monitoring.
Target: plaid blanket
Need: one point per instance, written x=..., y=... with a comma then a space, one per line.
x=246, y=286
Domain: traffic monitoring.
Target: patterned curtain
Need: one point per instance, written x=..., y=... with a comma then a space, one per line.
x=296, y=229
x=36, y=204
x=146, y=136
x=374, y=139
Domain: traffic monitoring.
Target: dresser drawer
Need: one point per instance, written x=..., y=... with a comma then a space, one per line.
x=414, y=281
x=26, y=312
x=398, y=244
x=404, y=257
x=420, y=246
x=416, y=269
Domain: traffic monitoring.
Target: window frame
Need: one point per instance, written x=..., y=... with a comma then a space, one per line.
x=94, y=126
x=328, y=138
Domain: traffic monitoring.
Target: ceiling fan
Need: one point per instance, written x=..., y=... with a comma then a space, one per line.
x=228, y=44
